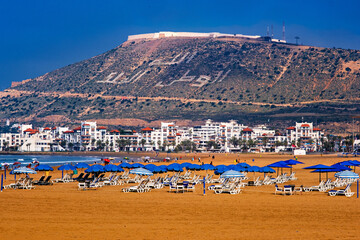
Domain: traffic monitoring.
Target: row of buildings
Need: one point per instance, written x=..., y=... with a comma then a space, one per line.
x=211, y=136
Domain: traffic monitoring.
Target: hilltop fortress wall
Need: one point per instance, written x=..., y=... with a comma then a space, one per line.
x=187, y=34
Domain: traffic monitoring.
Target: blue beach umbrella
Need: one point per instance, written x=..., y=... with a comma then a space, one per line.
x=207, y=167
x=43, y=167
x=340, y=167
x=279, y=164
x=292, y=162
x=321, y=168
x=185, y=164
x=239, y=169
x=163, y=168
x=150, y=166
x=348, y=163
x=141, y=171
x=221, y=167
x=67, y=167
x=137, y=165
x=267, y=169
x=82, y=165
x=244, y=165
x=155, y=169
x=125, y=165
x=119, y=169
x=175, y=168
x=111, y=168
x=347, y=174
x=232, y=174
x=194, y=167
x=95, y=169
x=231, y=166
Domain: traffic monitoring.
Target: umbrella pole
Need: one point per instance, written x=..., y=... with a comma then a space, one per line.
x=319, y=176
x=327, y=176
x=277, y=172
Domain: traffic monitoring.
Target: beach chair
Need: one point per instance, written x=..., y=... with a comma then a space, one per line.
x=292, y=176
x=67, y=178
x=315, y=188
x=172, y=187
x=346, y=192
x=139, y=188
x=78, y=177
x=258, y=182
x=46, y=181
x=82, y=186
x=36, y=182
x=298, y=189
x=27, y=184
x=19, y=182
x=234, y=188
x=288, y=190
x=96, y=183
x=278, y=189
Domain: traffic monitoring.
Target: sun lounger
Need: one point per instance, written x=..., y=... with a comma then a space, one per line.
x=78, y=177
x=67, y=178
x=36, y=182
x=139, y=188
x=346, y=192
x=278, y=189
x=234, y=188
x=46, y=181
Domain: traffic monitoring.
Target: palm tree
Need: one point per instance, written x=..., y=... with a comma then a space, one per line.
x=70, y=146
x=6, y=144
x=212, y=144
x=234, y=141
x=100, y=145
x=121, y=143
x=142, y=142
x=165, y=145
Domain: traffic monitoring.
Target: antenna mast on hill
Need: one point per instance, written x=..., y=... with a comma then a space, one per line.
x=272, y=31
x=267, y=31
x=283, y=30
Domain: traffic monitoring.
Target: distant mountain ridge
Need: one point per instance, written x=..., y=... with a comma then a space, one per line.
x=194, y=78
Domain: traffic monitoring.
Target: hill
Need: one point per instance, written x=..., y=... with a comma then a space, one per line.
x=194, y=79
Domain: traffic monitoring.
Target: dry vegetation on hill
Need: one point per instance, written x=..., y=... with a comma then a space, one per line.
x=179, y=78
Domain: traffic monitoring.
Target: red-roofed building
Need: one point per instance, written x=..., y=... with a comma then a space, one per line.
x=247, y=130
x=147, y=129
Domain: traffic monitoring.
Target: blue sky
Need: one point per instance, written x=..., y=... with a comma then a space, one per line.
x=41, y=36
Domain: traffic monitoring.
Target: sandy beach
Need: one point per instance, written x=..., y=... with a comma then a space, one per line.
x=61, y=211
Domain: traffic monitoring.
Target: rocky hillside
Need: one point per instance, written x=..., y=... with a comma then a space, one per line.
x=195, y=78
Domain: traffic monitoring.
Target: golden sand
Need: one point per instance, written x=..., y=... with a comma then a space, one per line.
x=61, y=211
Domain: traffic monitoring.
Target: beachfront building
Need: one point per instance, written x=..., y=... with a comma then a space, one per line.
x=304, y=135
x=212, y=135
x=10, y=141
x=123, y=141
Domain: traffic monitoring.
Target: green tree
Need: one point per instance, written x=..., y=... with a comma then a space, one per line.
x=212, y=145
x=234, y=141
x=70, y=146
x=142, y=142
x=121, y=143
